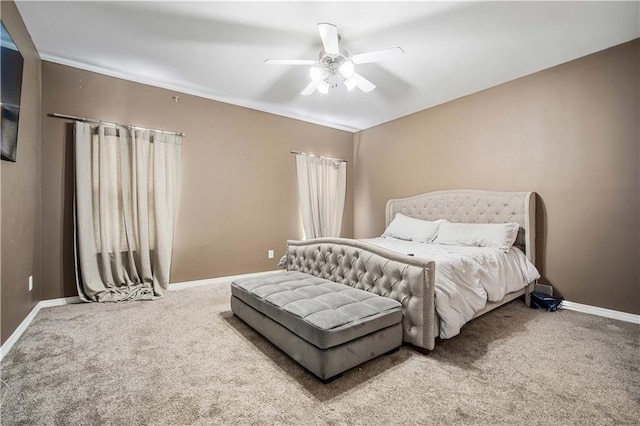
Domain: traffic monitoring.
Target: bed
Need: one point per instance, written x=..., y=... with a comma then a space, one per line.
x=408, y=271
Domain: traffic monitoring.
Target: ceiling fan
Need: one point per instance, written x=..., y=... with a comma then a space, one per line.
x=335, y=66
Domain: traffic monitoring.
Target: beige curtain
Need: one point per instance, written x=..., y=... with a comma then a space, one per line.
x=322, y=187
x=126, y=193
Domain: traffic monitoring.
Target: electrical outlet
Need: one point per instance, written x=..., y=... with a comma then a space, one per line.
x=270, y=254
x=30, y=282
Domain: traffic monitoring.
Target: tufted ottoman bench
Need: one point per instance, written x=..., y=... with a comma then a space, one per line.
x=326, y=327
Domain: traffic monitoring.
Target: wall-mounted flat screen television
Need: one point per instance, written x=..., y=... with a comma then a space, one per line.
x=11, y=63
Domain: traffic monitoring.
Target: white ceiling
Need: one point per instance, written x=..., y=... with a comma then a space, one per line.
x=216, y=49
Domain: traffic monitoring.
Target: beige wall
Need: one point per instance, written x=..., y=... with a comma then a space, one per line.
x=237, y=196
x=569, y=133
x=20, y=186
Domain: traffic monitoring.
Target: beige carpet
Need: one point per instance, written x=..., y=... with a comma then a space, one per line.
x=187, y=360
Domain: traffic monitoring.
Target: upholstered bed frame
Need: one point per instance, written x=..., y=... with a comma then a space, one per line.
x=474, y=206
x=410, y=280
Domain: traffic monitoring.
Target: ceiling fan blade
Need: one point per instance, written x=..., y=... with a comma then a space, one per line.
x=362, y=83
x=377, y=55
x=311, y=87
x=329, y=36
x=289, y=61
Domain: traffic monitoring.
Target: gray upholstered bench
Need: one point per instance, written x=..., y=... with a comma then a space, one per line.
x=326, y=327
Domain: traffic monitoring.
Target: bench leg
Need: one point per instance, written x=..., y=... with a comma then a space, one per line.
x=330, y=379
x=396, y=349
x=423, y=351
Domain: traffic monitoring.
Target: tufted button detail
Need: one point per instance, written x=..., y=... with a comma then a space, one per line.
x=363, y=270
x=465, y=206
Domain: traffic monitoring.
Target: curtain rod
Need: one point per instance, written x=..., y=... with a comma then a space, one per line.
x=324, y=156
x=91, y=120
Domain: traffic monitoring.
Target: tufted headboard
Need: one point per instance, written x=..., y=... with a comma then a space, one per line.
x=474, y=206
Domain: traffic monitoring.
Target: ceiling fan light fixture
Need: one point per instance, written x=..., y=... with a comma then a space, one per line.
x=350, y=83
x=335, y=66
x=316, y=73
x=346, y=69
x=323, y=87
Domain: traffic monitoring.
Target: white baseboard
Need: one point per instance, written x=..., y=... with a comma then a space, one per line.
x=25, y=322
x=59, y=302
x=601, y=312
x=75, y=299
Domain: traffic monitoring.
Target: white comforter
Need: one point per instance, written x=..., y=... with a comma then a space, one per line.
x=466, y=277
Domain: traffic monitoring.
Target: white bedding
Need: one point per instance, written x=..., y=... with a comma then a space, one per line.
x=466, y=277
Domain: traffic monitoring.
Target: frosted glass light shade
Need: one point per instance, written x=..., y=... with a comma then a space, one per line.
x=316, y=73
x=346, y=69
x=350, y=83
x=323, y=87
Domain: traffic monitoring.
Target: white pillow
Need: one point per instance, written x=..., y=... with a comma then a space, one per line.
x=407, y=228
x=497, y=235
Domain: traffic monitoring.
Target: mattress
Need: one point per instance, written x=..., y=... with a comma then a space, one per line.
x=466, y=277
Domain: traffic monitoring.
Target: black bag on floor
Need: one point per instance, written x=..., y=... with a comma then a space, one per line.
x=543, y=301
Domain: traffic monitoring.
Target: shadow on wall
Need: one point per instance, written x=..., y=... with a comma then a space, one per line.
x=541, y=242
x=68, y=281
